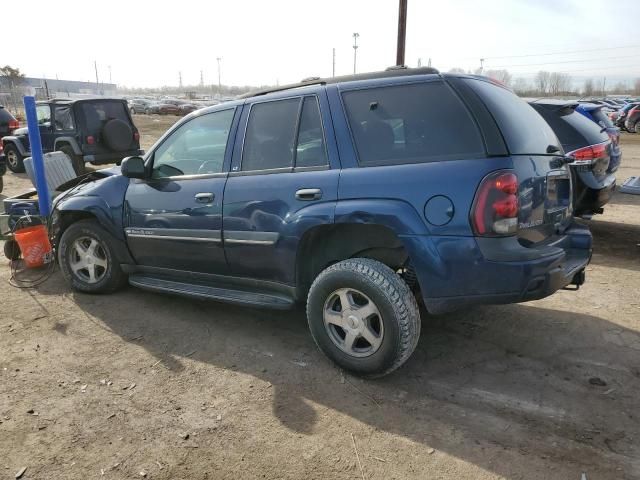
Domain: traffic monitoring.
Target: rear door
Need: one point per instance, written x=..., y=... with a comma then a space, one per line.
x=284, y=180
x=173, y=219
x=544, y=181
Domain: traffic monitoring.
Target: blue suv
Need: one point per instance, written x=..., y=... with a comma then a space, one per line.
x=359, y=195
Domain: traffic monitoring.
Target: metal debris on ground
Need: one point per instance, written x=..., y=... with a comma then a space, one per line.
x=631, y=185
x=21, y=472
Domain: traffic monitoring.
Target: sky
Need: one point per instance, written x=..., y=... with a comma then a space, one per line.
x=147, y=44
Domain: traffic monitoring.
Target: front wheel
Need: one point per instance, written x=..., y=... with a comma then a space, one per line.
x=15, y=161
x=86, y=255
x=363, y=316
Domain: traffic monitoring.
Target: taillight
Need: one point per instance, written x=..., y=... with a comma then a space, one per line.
x=13, y=124
x=136, y=136
x=587, y=155
x=90, y=140
x=495, y=207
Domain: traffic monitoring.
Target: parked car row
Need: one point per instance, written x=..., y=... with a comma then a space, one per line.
x=161, y=107
x=358, y=196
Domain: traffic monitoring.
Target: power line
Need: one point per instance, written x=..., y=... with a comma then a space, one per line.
x=562, y=53
x=563, y=62
x=582, y=69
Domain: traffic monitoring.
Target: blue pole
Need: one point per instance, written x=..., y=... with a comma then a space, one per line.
x=44, y=200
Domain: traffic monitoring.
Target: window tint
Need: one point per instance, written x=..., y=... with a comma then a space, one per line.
x=96, y=114
x=310, y=149
x=411, y=123
x=270, y=135
x=602, y=119
x=63, y=118
x=43, y=113
x=523, y=129
x=576, y=131
x=197, y=147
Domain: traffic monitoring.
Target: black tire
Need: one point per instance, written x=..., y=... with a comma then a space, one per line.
x=15, y=161
x=12, y=250
x=636, y=127
x=110, y=279
x=76, y=160
x=117, y=134
x=399, y=315
x=1, y=183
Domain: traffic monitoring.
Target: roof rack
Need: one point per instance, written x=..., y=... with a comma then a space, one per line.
x=396, y=71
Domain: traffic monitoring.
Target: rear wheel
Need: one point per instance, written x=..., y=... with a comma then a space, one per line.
x=87, y=258
x=363, y=316
x=636, y=127
x=15, y=161
x=76, y=160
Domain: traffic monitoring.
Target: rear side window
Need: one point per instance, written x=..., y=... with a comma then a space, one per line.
x=270, y=135
x=524, y=130
x=63, y=118
x=310, y=149
x=413, y=123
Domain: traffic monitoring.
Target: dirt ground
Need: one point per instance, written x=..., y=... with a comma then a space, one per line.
x=140, y=384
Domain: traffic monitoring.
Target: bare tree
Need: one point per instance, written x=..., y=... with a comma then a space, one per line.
x=521, y=86
x=588, y=89
x=502, y=76
x=457, y=70
x=636, y=88
x=559, y=83
x=542, y=82
x=11, y=75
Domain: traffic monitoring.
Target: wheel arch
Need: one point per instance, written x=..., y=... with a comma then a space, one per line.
x=62, y=141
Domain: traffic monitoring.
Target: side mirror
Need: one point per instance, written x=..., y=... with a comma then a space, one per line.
x=133, y=167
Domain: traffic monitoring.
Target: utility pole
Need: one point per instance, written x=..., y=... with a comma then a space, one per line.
x=604, y=83
x=481, y=65
x=110, y=81
x=419, y=62
x=355, y=50
x=333, y=69
x=219, y=77
x=180, y=79
x=402, y=31
x=95, y=66
x=201, y=79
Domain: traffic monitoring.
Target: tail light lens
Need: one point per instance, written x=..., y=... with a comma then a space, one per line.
x=13, y=124
x=136, y=136
x=588, y=155
x=495, y=207
x=91, y=140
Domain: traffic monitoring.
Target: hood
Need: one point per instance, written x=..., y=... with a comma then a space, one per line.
x=90, y=177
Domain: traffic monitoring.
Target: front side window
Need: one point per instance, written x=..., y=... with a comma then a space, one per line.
x=63, y=119
x=195, y=148
x=270, y=136
x=422, y=122
x=310, y=147
x=43, y=112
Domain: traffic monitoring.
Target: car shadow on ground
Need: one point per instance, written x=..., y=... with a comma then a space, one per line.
x=520, y=378
x=616, y=244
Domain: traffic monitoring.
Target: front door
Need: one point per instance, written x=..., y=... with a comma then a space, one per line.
x=173, y=219
x=281, y=185
x=45, y=125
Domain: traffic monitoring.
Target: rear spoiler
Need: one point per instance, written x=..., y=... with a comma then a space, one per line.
x=561, y=108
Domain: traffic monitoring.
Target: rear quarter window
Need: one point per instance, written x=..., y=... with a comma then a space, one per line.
x=523, y=129
x=411, y=123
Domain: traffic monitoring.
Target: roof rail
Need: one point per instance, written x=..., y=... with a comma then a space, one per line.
x=396, y=71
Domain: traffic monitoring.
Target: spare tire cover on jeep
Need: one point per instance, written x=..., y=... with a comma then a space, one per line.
x=117, y=134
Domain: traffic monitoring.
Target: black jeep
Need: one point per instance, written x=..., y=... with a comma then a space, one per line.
x=97, y=130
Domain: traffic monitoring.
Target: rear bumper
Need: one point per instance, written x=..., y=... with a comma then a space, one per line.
x=592, y=194
x=111, y=157
x=470, y=271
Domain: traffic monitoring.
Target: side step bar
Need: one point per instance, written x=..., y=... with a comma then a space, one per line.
x=207, y=292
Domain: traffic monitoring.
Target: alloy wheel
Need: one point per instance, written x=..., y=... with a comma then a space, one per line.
x=88, y=260
x=353, y=322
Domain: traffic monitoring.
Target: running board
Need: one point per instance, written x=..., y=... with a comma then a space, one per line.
x=207, y=292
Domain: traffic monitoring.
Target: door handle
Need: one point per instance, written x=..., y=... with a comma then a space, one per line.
x=204, y=197
x=308, y=194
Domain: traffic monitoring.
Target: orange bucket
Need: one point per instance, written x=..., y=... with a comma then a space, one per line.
x=34, y=245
